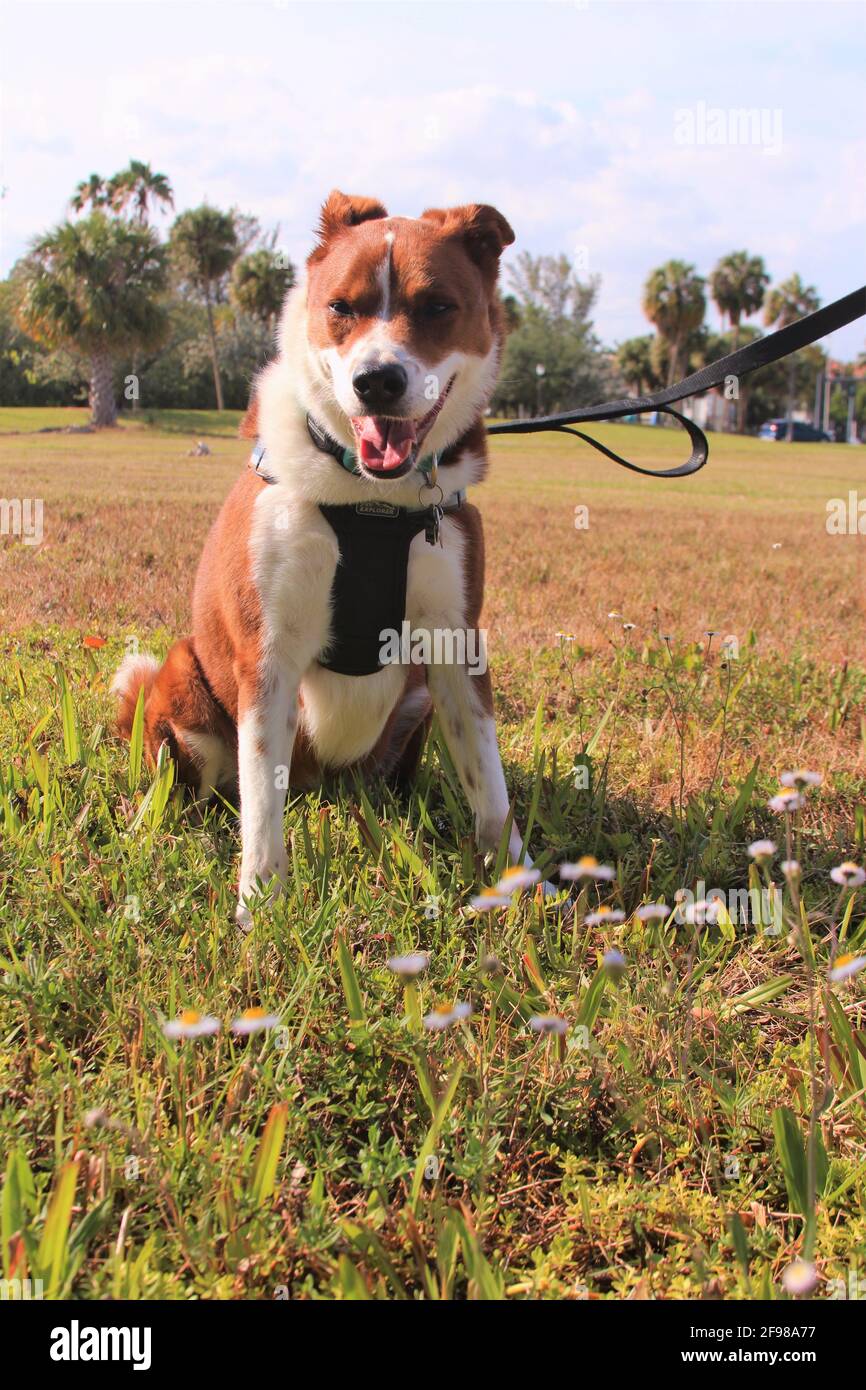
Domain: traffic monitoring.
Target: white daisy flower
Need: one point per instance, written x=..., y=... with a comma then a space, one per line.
x=846, y=968
x=848, y=875
x=648, y=911
x=607, y=916
x=191, y=1024
x=791, y=868
x=801, y=778
x=548, y=1023
x=254, y=1021
x=516, y=879
x=444, y=1016
x=488, y=899
x=629, y=627
x=787, y=801
x=614, y=615
x=801, y=1277
x=588, y=867
x=409, y=965
x=762, y=849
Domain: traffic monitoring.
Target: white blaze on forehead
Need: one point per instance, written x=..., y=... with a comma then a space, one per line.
x=385, y=277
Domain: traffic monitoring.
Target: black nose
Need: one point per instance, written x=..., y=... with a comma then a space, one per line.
x=380, y=388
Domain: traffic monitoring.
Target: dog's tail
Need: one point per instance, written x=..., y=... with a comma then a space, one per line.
x=133, y=673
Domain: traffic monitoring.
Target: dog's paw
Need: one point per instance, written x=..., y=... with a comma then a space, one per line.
x=259, y=887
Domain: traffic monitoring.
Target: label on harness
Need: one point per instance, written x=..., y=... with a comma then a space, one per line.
x=376, y=509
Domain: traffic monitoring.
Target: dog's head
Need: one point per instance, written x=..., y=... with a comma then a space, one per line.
x=403, y=327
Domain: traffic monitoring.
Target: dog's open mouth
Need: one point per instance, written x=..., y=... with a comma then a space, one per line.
x=389, y=446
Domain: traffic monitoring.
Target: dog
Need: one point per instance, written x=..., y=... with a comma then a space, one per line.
x=351, y=518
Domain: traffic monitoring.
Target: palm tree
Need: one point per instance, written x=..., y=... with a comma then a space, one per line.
x=203, y=244
x=634, y=360
x=91, y=193
x=673, y=300
x=94, y=286
x=737, y=286
x=139, y=187
x=260, y=282
x=784, y=305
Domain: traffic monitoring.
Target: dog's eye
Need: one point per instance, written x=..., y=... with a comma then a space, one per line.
x=435, y=308
x=341, y=307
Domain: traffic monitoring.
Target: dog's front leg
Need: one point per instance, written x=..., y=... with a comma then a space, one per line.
x=464, y=703
x=267, y=719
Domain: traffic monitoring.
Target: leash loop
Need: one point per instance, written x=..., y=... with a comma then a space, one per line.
x=746, y=359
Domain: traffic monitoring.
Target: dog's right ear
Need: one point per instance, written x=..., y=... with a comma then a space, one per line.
x=339, y=211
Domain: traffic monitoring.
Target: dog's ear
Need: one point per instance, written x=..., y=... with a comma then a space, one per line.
x=484, y=232
x=249, y=425
x=341, y=210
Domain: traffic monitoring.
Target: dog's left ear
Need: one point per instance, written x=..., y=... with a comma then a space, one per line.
x=484, y=232
x=342, y=210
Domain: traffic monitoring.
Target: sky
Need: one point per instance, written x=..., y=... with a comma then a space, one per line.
x=623, y=134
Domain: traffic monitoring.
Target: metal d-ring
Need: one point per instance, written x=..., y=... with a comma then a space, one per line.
x=425, y=487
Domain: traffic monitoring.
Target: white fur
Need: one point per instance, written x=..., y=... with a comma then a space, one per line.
x=133, y=670
x=294, y=557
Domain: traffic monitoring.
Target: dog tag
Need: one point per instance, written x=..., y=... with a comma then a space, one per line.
x=434, y=526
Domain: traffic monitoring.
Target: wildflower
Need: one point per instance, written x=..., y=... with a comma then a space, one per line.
x=605, y=915
x=846, y=968
x=516, y=879
x=489, y=898
x=762, y=849
x=409, y=965
x=629, y=627
x=614, y=614
x=566, y=636
x=703, y=913
x=94, y=643
x=548, y=1023
x=613, y=962
x=791, y=868
x=254, y=1021
x=587, y=867
x=191, y=1024
x=801, y=778
x=787, y=801
x=848, y=875
x=801, y=1277
x=444, y=1016
x=647, y=911
x=777, y=545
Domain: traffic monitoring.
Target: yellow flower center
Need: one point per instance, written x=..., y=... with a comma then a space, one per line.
x=190, y=1017
x=253, y=1014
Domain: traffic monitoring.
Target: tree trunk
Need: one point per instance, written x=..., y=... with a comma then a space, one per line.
x=218, y=386
x=103, y=407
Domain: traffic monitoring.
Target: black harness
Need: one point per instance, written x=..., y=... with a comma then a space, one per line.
x=368, y=595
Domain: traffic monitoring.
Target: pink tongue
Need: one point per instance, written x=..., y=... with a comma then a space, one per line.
x=384, y=444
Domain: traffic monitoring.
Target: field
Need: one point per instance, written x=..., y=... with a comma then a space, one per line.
x=699, y=1125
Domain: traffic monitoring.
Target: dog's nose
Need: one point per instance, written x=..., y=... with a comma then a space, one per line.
x=380, y=388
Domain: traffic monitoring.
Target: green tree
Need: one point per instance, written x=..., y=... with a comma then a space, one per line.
x=634, y=359
x=784, y=305
x=551, y=357
x=91, y=192
x=738, y=285
x=260, y=283
x=204, y=245
x=138, y=188
x=95, y=285
x=674, y=301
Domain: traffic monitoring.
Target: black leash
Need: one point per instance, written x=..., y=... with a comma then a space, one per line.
x=746, y=359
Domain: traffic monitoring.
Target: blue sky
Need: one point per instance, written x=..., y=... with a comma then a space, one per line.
x=602, y=129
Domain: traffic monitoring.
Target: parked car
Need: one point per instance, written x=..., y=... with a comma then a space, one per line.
x=778, y=429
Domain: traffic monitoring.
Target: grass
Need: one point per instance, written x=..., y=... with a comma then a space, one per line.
x=701, y=1122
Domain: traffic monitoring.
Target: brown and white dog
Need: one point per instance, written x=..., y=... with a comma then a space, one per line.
x=390, y=306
